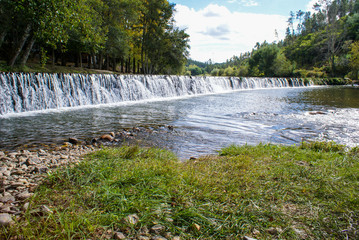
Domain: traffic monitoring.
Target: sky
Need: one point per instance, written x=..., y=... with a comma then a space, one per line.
x=220, y=29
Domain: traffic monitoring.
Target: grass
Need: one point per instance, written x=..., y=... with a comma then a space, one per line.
x=265, y=192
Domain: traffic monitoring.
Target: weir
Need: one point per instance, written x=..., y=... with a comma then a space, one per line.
x=23, y=92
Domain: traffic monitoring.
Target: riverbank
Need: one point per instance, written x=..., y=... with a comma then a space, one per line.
x=261, y=192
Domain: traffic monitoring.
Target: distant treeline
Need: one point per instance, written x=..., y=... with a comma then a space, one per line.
x=320, y=44
x=135, y=36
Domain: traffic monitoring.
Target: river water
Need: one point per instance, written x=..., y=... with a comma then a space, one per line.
x=203, y=123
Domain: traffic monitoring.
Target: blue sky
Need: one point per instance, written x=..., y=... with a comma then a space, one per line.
x=219, y=29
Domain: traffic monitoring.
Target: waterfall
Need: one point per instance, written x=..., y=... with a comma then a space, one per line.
x=22, y=92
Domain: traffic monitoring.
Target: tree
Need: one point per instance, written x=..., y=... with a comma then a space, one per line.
x=263, y=59
x=354, y=58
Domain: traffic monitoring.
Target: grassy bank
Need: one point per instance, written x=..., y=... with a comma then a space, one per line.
x=264, y=192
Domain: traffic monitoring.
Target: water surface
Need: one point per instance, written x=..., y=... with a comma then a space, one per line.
x=205, y=123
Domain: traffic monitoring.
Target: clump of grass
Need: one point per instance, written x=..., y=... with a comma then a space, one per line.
x=264, y=191
x=324, y=146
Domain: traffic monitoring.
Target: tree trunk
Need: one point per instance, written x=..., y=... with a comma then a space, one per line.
x=53, y=60
x=27, y=51
x=134, y=65
x=122, y=67
x=80, y=59
x=76, y=60
x=100, y=61
x=63, y=60
x=2, y=37
x=107, y=62
x=114, y=64
x=20, y=45
x=89, y=63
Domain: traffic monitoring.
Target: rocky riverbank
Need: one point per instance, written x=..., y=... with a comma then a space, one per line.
x=22, y=171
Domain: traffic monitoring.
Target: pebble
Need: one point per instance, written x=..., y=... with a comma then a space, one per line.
x=24, y=196
x=120, y=236
x=158, y=229
x=8, y=198
x=132, y=219
x=5, y=219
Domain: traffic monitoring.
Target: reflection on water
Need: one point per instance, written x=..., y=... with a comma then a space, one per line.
x=204, y=124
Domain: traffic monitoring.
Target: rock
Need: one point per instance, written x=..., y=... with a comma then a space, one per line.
x=119, y=236
x=46, y=209
x=24, y=196
x=143, y=238
x=2, y=154
x=317, y=113
x=274, y=231
x=132, y=219
x=158, y=229
x=74, y=141
x=25, y=207
x=41, y=169
x=18, y=172
x=7, y=198
x=196, y=227
x=158, y=238
x=32, y=161
x=5, y=219
x=107, y=137
x=248, y=238
x=15, y=185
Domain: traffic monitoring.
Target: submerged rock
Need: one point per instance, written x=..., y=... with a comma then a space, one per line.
x=74, y=141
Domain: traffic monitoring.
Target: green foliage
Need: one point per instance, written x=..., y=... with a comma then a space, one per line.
x=195, y=70
x=354, y=58
x=323, y=146
x=133, y=32
x=245, y=191
x=263, y=60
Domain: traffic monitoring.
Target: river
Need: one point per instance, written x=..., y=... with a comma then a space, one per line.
x=202, y=123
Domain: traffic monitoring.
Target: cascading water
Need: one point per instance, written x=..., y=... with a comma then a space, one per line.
x=23, y=92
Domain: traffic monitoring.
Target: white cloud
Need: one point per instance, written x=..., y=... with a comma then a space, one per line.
x=246, y=3
x=217, y=33
x=310, y=5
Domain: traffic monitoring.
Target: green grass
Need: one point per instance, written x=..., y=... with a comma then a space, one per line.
x=265, y=192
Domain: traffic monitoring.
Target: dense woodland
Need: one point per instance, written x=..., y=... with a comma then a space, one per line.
x=133, y=36
x=139, y=36
x=321, y=43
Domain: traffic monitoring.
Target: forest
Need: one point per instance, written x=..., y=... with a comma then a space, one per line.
x=318, y=44
x=140, y=36
x=129, y=36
